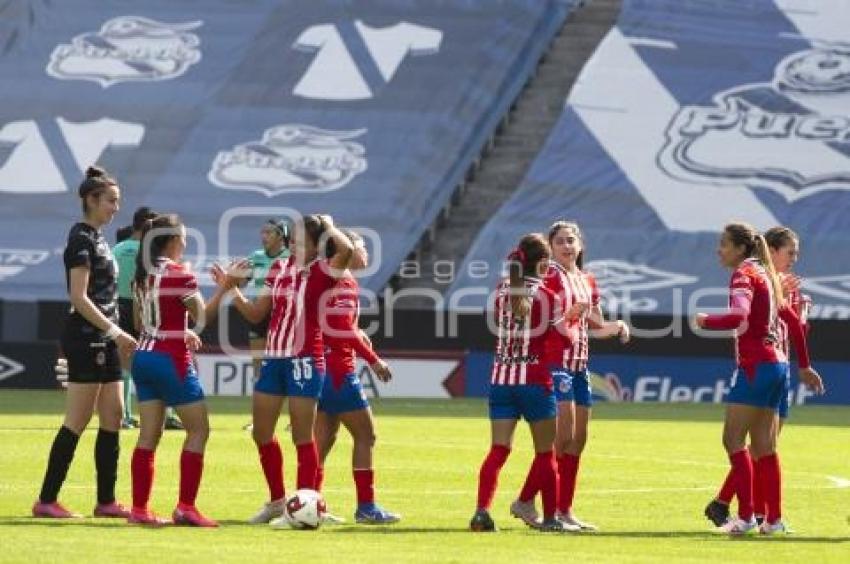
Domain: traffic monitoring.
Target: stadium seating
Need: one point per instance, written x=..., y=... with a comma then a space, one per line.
x=373, y=117
x=686, y=117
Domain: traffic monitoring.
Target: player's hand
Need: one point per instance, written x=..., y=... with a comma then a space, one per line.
x=699, y=320
x=812, y=380
x=624, y=333
x=219, y=276
x=790, y=283
x=61, y=369
x=193, y=342
x=382, y=371
x=126, y=345
x=577, y=310
x=238, y=273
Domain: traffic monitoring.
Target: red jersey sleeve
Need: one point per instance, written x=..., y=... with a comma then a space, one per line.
x=180, y=282
x=797, y=334
x=594, y=289
x=740, y=301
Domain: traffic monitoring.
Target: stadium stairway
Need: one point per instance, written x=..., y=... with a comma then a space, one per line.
x=506, y=158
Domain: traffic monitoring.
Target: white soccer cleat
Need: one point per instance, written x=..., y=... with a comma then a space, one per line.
x=775, y=528
x=331, y=519
x=280, y=523
x=738, y=526
x=270, y=510
x=573, y=521
x=526, y=511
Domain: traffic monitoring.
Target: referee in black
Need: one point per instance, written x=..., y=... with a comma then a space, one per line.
x=93, y=344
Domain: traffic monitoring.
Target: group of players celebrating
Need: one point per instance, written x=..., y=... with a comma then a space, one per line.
x=304, y=321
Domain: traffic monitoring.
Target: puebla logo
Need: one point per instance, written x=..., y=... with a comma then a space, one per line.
x=128, y=49
x=291, y=158
x=791, y=135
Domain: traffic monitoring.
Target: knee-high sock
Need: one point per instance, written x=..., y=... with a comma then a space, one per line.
x=320, y=478
x=106, y=451
x=531, y=485
x=568, y=465
x=727, y=490
x=759, y=506
x=364, y=482
x=547, y=477
x=191, y=470
x=128, y=396
x=271, y=458
x=308, y=464
x=58, y=462
x=770, y=473
x=142, y=473
x=742, y=465
x=488, y=476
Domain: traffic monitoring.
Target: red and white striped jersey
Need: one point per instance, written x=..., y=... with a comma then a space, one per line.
x=164, y=316
x=574, y=288
x=800, y=304
x=521, y=343
x=297, y=294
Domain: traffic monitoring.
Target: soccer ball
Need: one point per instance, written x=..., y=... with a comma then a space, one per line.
x=305, y=509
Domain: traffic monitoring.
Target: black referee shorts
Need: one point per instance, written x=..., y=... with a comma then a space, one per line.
x=91, y=362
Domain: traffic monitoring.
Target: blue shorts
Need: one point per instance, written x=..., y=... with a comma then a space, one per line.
x=529, y=401
x=785, y=401
x=765, y=390
x=155, y=378
x=290, y=377
x=573, y=386
x=348, y=397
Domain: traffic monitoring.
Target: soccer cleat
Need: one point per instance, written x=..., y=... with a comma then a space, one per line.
x=717, y=512
x=482, y=522
x=372, y=514
x=759, y=519
x=574, y=521
x=555, y=525
x=53, y=510
x=526, y=511
x=189, y=515
x=280, y=523
x=331, y=519
x=146, y=517
x=738, y=526
x=129, y=423
x=113, y=509
x=269, y=511
x=173, y=424
x=775, y=528
x=248, y=427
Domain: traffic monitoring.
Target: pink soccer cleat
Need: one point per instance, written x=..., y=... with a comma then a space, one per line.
x=146, y=517
x=53, y=510
x=189, y=515
x=111, y=510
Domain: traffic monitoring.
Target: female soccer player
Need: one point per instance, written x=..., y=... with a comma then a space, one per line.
x=294, y=364
x=528, y=316
x=784, y=247
x=93, y=344
x=163, y=369
x=756, y=305
x=343, y=400
x=580, y=298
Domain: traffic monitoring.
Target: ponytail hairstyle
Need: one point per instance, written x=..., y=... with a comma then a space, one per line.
x=780, y=236
x=353, y=236
x=156, y=234
x=571, y=226
x=96, y=182
x=755, y=246
x=523, y=262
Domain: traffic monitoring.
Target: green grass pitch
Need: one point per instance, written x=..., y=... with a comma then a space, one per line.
x=647, y=474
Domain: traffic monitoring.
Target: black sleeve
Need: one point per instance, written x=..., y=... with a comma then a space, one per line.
x=79, y=252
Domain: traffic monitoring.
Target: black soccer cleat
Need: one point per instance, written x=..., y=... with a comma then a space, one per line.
x=717, y=513
x=482, y=522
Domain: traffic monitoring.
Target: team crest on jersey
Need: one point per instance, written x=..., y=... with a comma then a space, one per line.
x=791, y=135
x=291, y=158
x=621, y=283
x=128, y=49
x=15, y=261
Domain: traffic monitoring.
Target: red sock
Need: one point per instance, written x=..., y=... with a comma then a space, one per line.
x=191, y=469
x=568, y=476
x=141, y=473
x=547, y=476
x=758, y=488
x=271, y=457
x=742, y=465
x=488, y=476
x=531, y=486
x=771, y=475
x=320, y=478
x=364, y=481
x=727, y=490
x=308, y=464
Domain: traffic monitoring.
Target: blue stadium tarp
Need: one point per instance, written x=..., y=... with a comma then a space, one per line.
x=370, y=110
x=687, y=116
